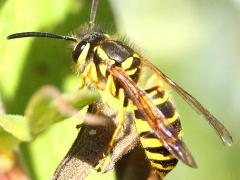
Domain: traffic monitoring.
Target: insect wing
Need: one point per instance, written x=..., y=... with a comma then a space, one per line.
x=216, y=125
x=168, y=136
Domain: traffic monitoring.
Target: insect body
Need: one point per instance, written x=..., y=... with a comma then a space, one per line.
x=93, y=55
x=115, y=68
x=160, y=158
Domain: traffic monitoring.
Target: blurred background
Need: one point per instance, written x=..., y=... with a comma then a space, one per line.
x=195, y=42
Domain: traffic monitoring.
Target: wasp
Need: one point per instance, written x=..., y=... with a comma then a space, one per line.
x=114, y=68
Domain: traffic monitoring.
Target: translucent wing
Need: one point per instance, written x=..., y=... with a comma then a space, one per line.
x=216, y=125
x=168, y=136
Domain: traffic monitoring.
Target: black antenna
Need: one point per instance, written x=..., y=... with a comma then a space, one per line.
x=56, y=36
x=93, y=14
x=41, y=34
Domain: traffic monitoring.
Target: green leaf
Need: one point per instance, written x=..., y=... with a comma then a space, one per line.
x=8, y=141
x=16, y=125
x=48, y=106
x=39, y=110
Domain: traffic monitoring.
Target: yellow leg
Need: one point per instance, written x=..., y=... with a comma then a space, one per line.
x=83, y=83
x=110, y=89
x=106, y=159
x=85, y=77
x=120, y=118
x=107, y=89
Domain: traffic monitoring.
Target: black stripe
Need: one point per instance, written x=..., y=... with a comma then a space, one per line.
x=176, y=125
x=167, y=109
x=126, y=100
x=148, y=134
x=149, y=90
x=163, y=171
x=138, y=115
x=135, y=76
x=160, y=94
x=166, y=163
x=160, y=150
x=135, y=64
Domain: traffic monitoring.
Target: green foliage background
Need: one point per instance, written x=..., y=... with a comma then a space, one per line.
x=194, y=42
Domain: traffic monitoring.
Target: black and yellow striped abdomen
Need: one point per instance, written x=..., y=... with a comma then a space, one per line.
x=160, y=158
x=99, y=51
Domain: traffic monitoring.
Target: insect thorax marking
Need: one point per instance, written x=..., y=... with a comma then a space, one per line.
x=99, y=54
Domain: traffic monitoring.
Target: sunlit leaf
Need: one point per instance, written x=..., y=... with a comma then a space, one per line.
x=48, y=106
x=16, y=125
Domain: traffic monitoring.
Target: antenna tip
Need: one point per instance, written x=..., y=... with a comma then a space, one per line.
x=14, y=36
x=9, y=37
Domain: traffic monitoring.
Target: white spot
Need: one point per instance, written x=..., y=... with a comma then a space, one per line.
x=83, y=46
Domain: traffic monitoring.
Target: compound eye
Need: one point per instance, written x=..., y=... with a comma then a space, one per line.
x=78, y=51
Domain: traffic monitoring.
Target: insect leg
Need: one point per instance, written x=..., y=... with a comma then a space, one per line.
x=85, y=74
x=121, y=97
x=110, y=88
x=105, y=161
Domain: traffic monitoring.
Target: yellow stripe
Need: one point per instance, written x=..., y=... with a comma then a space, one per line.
x=157, y=156
x=161, y=100
x=101, y=53
x=172, y=119
x=87, y=70
x=94, y=76
x=150, y=142
x=107, y=36
x=153, y=93
x=131, y=72
x=142, y=126
x=134, y=107
x=103, y=69
x=127, y=63
x=136, y=55
x=82, y=58
x=113, y=87
x=159, y=166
